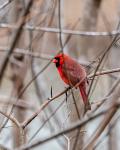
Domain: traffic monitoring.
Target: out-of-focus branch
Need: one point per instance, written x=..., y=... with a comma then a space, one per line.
x=105, y=122
x=27, y=52
x=21, y=104
x=3, y=147
x=5, y=4
x=15, y=39
x=112, y=125
x=63, y=31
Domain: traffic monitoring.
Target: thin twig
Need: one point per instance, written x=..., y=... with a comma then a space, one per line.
x=27, y=121
x=106, y=72
x=52, y=114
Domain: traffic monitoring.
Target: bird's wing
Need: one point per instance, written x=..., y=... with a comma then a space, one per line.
x=74, y=72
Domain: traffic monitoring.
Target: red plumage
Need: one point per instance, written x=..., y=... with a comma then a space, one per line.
x=72, y=73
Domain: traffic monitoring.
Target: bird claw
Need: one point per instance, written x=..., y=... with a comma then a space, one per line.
x=49, y=99
x=87, y=107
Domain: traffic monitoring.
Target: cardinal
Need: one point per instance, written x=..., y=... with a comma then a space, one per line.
x=72, y=73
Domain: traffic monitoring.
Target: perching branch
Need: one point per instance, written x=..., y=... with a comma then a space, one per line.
x=46, y=102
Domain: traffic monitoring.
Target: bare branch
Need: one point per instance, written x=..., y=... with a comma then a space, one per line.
x=21, y=104
x=27, y=52
x=48, y=101
x=63, y=31
x=104, y=72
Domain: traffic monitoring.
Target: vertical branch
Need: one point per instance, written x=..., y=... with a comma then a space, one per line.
x=60, y=25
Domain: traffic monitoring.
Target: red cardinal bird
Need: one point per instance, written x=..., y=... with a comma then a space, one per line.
x=72, y=73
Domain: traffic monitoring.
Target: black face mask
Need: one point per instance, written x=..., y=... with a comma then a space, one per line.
x=58, y=61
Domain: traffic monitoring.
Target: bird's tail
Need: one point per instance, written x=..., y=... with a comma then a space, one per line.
x=82, y=88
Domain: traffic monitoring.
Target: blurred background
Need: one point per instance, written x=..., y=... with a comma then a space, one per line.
x=31, y=34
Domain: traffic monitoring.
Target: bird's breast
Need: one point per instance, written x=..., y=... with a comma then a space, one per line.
x=63, y=75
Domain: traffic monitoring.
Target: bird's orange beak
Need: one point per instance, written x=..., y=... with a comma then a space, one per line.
x=55, y=61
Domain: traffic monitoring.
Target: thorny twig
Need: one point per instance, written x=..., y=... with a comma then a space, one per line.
x=46, y=104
